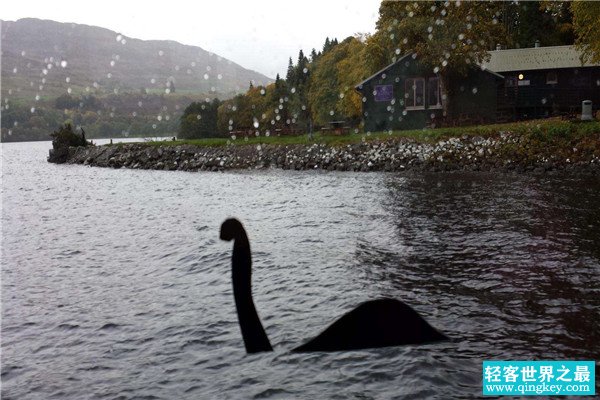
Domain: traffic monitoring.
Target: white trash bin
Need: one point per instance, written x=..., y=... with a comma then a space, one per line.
x=586, y=110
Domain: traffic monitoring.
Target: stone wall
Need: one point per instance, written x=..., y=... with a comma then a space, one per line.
x=505, y=152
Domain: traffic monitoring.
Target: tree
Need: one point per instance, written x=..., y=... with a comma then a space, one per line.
x=331, y=95
x=62, y=139
x=291, y=71
x=171, y=86
x=548, y=22
x=586, y=24
x=199, y=120
x=66, y=102
x=447, y=37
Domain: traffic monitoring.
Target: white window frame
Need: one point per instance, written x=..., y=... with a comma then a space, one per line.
x=414, y=89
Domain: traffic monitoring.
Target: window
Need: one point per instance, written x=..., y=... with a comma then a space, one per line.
x=511, y=82
x=414, y=93
x=384, y=92
x=434, y=98
x=551, y=78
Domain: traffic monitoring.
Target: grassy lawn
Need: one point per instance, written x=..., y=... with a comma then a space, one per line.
x=546, y=128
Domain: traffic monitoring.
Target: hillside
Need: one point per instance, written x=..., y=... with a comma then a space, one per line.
x=96, y=58
x=108, y=83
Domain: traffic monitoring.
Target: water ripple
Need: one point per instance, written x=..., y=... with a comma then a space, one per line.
x=115, y=285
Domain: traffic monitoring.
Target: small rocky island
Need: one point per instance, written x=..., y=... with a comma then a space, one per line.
x=502, y=151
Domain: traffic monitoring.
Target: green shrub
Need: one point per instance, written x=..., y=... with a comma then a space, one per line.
x=65, y=137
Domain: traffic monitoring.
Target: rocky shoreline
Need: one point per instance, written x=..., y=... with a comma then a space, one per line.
x=502, y=152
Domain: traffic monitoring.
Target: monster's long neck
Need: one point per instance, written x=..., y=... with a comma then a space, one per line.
x=255, y=338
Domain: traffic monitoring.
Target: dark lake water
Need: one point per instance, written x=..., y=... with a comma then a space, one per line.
x=115, y=284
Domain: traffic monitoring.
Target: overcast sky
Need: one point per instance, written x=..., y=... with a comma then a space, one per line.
x=257, y=34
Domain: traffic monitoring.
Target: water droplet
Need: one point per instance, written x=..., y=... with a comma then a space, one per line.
x=69, y=90
x=67, y=79
x=474, y=90
x=305, y=70
x=32, y=110
x=331, y=112
x=44, y=71
x=37, y=97
x=123, y=41
x=119, y=38
x=161, y=53
x=256, y=124
x=112, y=63
x=153, y=81
x=159, y=117
x=205, y=76
x=220, y=76
x=63, y=64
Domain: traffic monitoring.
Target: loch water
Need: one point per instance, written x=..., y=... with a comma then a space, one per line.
x=116, y=286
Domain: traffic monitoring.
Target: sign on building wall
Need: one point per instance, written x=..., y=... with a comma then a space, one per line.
x=384, y=92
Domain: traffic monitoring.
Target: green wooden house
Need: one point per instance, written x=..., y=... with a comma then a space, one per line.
x=543, y=82
x=406, y=95
x=514, y=84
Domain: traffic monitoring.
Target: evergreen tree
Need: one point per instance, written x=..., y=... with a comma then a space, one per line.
x=290, y=77
x=313, y=55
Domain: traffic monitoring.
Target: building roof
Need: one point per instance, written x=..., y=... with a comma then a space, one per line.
x=527, y=59
x=533, y=58
x=381, y=71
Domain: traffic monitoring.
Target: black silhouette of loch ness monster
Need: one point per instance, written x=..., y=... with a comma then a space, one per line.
x=376, y=323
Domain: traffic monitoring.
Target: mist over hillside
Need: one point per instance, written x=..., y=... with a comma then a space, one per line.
x=59, y=56
x=108, y=83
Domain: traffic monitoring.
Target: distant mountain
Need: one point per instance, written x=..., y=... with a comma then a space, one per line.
x=46, y=58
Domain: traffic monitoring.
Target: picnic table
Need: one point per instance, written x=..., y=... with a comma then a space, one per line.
x=337, y=127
